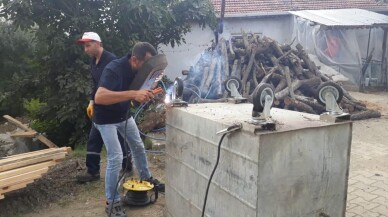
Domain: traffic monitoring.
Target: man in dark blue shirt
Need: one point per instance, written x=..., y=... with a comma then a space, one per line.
x=93, y=47
x=111, y=106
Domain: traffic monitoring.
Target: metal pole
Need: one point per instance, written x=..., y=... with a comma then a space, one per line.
x=362, y=77
x=383, y=70
x=367, y=50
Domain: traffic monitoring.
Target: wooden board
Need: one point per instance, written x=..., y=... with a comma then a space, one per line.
x=28, y=134
x=31, y=155
x=17, y=123
x=15, y=187
x=25, y=169
x=20, y=156
x=26, y=128
x=22, y=163
x=4, y=183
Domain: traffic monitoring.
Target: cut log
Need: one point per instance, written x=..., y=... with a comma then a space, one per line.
x=248, y=70
x=365, y=115
x=236, y=64
x=356, y=106
x=208, y=81
x=296, y=84
x=318, y=108
x=288, y=81
x=306, y=59
x=300, y=106
x=349, y=108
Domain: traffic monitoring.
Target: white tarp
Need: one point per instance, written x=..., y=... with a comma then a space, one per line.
x=342, y=49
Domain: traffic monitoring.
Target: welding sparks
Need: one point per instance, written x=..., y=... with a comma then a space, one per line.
x=168, y=99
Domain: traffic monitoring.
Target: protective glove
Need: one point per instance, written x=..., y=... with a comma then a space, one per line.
x=90, y=109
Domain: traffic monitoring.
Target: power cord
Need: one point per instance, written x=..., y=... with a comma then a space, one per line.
x=234, y=127
x=211, y=176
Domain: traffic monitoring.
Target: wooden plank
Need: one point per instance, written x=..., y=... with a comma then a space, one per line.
x=26, y=169
x=28, y=134
x=30, y=155
x=15, y=187
x=17, y=123
x=46, y=141
x=40, y=137
x=4, y=183
x=14, y=165
x=19, y=156
x=26, y=179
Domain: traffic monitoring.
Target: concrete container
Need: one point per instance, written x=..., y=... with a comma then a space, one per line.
x=301, y=169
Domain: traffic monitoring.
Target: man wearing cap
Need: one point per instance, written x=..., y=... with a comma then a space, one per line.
x=93, y=48
x=111, y=106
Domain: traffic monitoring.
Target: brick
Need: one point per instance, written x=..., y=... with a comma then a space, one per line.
x=352, y=181
x=381, y=185
x=351, y=197
x=370, y=214
x=379, y=177
x=357, y=210
x=360, y=185
x=381, y=193
x=350, y=205
x=366, y=205
x=365, y=180
x=365, y=195
x=352, y=189
x=381, y=209
x=381, y=200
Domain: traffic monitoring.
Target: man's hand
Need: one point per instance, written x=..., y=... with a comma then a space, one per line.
x=90, y=109
x=143, y=96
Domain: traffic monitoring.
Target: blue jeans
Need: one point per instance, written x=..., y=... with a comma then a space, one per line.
x=93, y=152
x=115, y=154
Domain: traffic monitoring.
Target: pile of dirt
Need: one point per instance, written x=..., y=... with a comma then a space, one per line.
x=57, y=184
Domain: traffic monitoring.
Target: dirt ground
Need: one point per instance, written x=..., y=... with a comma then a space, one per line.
x=58, y=195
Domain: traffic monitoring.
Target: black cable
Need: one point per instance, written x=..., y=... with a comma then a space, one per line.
x=211, y=176
x=126, y=162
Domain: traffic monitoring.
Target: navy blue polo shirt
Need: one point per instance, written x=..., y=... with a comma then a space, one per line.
x=96, y=69
x=117, y=76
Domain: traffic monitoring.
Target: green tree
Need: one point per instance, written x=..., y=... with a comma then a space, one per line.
x=63, y=69
x=16, y=54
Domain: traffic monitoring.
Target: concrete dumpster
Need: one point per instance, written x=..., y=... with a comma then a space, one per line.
x=301, y=169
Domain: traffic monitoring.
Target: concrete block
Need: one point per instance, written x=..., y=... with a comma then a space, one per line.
x=301, y=169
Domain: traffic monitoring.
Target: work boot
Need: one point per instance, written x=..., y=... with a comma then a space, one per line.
x=158, y=185
x=115, y=210
x=87, y=177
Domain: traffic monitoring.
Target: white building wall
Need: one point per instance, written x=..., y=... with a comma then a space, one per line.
x=182, y=57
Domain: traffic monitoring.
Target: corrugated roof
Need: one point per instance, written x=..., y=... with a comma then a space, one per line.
x=354, y=18
x=243, y=7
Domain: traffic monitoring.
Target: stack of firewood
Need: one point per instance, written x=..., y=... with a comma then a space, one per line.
x=254, y=60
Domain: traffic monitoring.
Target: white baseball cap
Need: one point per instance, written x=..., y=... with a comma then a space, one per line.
x=89, y=36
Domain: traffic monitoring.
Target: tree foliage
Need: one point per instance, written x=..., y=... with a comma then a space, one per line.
x=16, y=54
x=58, y=63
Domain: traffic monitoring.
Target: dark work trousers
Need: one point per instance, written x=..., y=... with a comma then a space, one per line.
x=93, y=152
